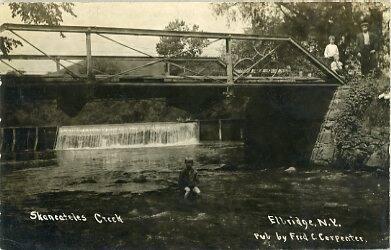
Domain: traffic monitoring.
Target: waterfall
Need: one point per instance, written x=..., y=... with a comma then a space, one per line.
x=127, y=135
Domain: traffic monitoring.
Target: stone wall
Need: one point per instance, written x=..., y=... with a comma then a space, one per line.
x=376, y=149
x=371, y=147
x=324, y=152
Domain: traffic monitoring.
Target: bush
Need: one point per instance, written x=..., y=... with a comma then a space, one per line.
x=362, y=112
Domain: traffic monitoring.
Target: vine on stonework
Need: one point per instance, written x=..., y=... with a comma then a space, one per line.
x=350, y=141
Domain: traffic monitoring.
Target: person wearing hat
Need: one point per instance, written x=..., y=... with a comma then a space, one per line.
x=188, y=178
x=367, y=46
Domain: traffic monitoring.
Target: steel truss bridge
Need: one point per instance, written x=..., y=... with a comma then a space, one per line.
x=267, y=61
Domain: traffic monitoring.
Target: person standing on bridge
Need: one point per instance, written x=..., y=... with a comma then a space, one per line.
x=331, y=50
x=336, y=65
x=342, y=47
x=367, y=46
x=188, y=179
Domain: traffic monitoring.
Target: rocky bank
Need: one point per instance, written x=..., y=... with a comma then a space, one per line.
x=355, y=132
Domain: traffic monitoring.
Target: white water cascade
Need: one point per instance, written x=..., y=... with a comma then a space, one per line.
x=127, y=135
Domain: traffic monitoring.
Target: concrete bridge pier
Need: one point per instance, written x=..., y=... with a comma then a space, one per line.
x=282, y=125
x=324, y=150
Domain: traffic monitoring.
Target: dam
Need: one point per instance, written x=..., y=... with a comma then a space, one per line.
x=127, y=135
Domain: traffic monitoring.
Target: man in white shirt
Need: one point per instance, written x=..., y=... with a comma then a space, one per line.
x=367, y=46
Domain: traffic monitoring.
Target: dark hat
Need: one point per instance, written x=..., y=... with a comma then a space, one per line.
x=188, y=160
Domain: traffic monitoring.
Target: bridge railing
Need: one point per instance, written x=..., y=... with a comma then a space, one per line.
x=252, y=68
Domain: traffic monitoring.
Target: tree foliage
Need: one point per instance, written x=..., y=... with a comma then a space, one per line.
x=310, y=23
x=183, y=46
x=35, y=13
x=7, y=44
x=41, y=13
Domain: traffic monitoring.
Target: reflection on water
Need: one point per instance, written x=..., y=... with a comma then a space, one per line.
x=234, y=204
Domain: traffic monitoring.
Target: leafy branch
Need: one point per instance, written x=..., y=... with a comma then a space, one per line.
x=35, y=13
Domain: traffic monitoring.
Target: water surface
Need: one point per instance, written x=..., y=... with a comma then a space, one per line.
x=140, y=186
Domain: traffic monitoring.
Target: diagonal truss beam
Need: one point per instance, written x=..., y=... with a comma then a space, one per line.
x=124, y=45
x=82, y=64
x=51, y=58
x=315, y=61
x=12, y=67
x=257, y=62
x=154, y=62
x=194, y=72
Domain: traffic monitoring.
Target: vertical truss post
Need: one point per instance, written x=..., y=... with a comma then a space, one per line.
x=58, y=64
x=228, y=50
x=89, y=57
x=20, y=92
x=199, y=130
x=55, y=139
x=13, y=139
x=27, y=139
x=168, y=66
x=36, y=139
x=2, y=141
x=220, y=130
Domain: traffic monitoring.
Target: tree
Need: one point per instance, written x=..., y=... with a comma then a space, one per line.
x=182, y=46
x=310, y=23
x=302, y=20
x=35, y=13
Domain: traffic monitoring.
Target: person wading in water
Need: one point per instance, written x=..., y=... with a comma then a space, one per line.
x=188, y=179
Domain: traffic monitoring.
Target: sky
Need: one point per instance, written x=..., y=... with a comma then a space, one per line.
x=146, y=15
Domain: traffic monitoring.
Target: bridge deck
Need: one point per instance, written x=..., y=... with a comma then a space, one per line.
x=162, y=81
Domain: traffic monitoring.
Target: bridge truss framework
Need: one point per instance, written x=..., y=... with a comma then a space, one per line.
x=232, y=76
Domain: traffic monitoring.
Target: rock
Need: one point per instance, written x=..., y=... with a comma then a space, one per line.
x=134, y=212
x=126, y=174
x=381, y=172
x=140, y=179
x=334, y=204
x=386, y=149
x=290, y=170
x=326, y=137
x=228, y=167
x=120, y=181
x=376, y=132
x=199, y=216
x=325, y=153
x=333, y=114
x=88, y=180
x=162, y=214
x=376, y=160
x=338, y=105
x=329, y=124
